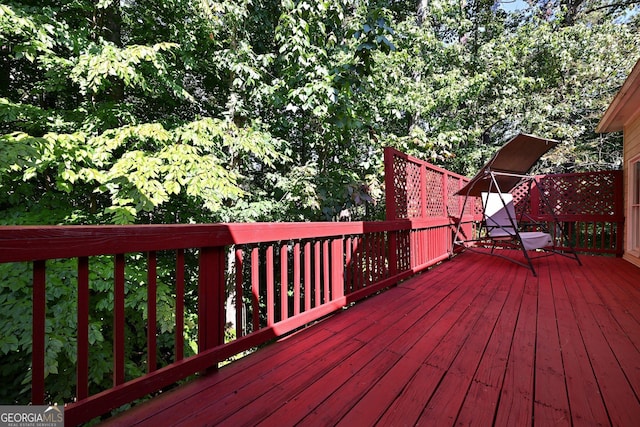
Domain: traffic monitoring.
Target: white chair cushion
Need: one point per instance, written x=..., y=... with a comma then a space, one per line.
x=535, y=240
x=500, y=218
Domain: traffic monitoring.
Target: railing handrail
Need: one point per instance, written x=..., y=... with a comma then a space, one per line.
x=33, y=242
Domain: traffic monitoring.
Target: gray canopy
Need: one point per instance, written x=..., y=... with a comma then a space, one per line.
x=510, y=163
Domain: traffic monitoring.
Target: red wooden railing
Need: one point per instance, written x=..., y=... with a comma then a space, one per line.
x=589, y=208
x=283, y=275
x=280, y=277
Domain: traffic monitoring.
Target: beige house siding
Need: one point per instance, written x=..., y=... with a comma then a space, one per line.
x=631, y=154
x=632, y=138
x=623, y=115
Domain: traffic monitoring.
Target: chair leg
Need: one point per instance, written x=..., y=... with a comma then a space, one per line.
x=526, y=255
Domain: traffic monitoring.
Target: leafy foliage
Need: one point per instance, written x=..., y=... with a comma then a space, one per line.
x=471, y=77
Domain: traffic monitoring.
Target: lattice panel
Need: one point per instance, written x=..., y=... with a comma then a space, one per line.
x=414, y=195
x=435, y=201
x=580, y=194
x=399, y=187
x=417, y=188
x=521, y=198
x=454, y=203
x=406, y=180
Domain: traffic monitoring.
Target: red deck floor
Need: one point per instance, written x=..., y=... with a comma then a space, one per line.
x=475, y=341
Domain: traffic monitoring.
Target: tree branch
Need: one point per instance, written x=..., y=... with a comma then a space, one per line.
x=608, y=6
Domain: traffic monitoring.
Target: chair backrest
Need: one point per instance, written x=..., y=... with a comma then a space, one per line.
x=499, y=214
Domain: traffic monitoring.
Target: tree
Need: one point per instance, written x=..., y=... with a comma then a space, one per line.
x=106, y=123
x=476, y=76
x=570, y=12
x=108, y=119
x=324, y=64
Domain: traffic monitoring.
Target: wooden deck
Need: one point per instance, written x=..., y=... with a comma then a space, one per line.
x=475, y=341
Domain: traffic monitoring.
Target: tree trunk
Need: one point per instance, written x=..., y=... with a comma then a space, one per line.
x=107, y=25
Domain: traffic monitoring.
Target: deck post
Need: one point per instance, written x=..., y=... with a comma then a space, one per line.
x=211, y=299
x=534, y=200
x=445, y=194
x=423, y=192
x=390, y=200
x=618, y=188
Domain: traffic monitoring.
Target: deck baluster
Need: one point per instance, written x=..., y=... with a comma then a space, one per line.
x=38, y=333
x=82, y=367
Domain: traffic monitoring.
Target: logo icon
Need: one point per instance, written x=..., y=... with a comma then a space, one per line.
x=32, y=416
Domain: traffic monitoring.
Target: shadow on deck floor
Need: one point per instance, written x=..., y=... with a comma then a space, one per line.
x=477, y=340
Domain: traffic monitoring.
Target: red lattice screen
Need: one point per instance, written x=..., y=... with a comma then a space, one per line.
x=576, y=196
x=588, y=206
x=419, y=190
x=591, y=194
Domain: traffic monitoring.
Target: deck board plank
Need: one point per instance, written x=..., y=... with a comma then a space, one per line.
x=551, y=405
x=352, y=326
x=627, y=354
x=340, y=402
x=515, y=407
x=623, y=305
x=583, y=392
x=440, y=348
x=332, y=409
x=376, y=337
x=274, y=394
x=481, y=400
x=413, y=346
x=444, y=406
x=623, y=407
x=474, y=341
